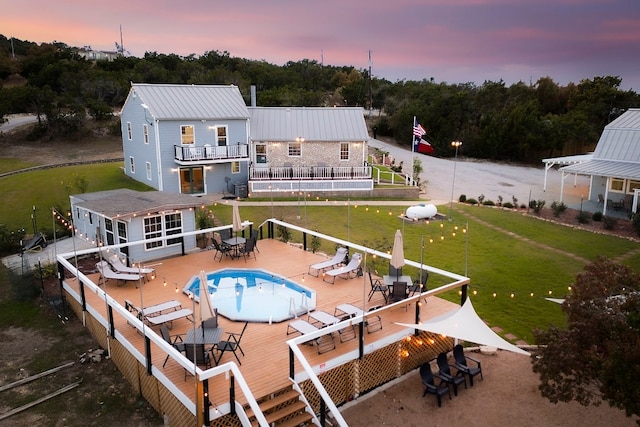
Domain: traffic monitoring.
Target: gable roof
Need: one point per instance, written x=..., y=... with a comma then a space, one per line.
x=310, y=123
x=191, y=102
x=618, y=151
x=123, y=202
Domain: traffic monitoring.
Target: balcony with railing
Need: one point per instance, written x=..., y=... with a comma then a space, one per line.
x=310, y=178
x=207, y=154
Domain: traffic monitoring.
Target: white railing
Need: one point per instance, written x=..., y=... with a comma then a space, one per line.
x=310, y=173
x=208, y=152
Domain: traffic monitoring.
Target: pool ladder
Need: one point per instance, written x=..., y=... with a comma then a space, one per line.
x=304, y=303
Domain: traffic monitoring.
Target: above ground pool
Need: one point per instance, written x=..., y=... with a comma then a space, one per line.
x=254, y=295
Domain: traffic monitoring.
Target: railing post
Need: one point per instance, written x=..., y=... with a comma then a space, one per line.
x=463, y=294
x=147, y=352
x=292, y=373
x=323, y=413
x=232, y=395
x=304, y=241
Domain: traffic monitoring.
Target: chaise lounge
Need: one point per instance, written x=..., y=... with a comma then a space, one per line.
x=345, y=272
x=337, y=259
x=107, y=273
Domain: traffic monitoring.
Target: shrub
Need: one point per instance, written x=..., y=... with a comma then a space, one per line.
x=523, y=206
x=314, y=245
x=583, y=217
x=609, y=223
x=284, y=235
x=488, y=203
x=508, y=205
x=499, y=200
x=481, y=198
x=514, y=200
x=597, y=216
x=537, y=205
x=558, y=208
x=472, y=202
x=462, y=198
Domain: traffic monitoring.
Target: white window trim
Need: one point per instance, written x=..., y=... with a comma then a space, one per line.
x=289, y=149
x=129, y=131
x=132, y=165
x=145, y=133
x=348, y=152
x=235, y=169
x=226, y=134
x=147, y=166
x=162, y=233
x=611, y=189
x=194, y=135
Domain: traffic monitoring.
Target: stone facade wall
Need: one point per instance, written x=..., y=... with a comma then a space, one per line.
x=312, y=153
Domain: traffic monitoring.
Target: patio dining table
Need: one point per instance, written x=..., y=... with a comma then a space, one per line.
x=207, y=336
x=235, y=243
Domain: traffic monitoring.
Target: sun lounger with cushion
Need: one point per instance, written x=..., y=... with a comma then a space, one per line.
x=337, y=259
x=345, y=272
x=153, y=310
x=325, y=343
x=120, y=267
x=107, y=273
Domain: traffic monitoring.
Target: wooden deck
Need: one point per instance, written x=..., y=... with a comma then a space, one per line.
x=265, y=365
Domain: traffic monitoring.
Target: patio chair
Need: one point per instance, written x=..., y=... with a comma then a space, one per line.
x=430, y=386
x=232, y=343
x=248, y=249
x=175, y=341
x=107, y=273
x=462, y=365
x=445, y=373
x=378, y=286
x=346, y=272
x=117, y=265
x=254, y=236
x=197, y=354
x=395, y=272
x=221, y=249
x=336, y=260
x=212, y=322
x=399, y=292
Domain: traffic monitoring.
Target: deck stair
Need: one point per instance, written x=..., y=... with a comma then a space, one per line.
x=284, y=408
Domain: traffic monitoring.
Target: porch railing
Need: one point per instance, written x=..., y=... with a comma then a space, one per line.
x=208, y=152
x=310, y=173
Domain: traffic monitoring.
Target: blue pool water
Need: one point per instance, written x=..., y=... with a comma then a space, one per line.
x=253, y=295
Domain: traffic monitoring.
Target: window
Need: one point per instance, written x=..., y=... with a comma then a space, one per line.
x=159, y=226
x=187, y=134
x=294, y=149
x=221, y=135
x=235, y=167
x=173, y=225
x=344, y=151
x=147, y=166
x=129, y=133
x=108, y=227
x=617, y=184
x=145, y=132
x=632, y=186
x=152, y=230
x=132, y=165
x=261, y=153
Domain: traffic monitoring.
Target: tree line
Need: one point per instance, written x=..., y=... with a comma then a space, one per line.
x=521, y=122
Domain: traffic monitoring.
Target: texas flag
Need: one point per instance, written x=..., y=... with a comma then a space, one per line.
x=422, y=146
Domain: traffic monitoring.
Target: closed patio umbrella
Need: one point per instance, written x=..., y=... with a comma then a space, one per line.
x=397, y=254
x=206, y=309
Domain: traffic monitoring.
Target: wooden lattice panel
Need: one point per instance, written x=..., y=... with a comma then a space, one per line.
x=97, y=330
x=378, y=368
x=172, y=409
x=415, y=350
x=126, y=363
x=149, y=387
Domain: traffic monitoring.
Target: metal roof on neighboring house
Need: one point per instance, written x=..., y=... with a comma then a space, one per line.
x=311, y=123
x=192, y=102
x=618, y=151
x=124, y=202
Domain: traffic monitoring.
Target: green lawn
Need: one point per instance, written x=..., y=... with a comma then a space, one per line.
x=8, y=165
x=47, y=188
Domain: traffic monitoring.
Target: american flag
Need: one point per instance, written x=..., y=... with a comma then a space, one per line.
x=418, y=130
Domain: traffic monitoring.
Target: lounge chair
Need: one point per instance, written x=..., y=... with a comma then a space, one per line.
x=337, y=259
x=346, y=272
x=152, y=310
x=445, y=373
x=120, y=267
x=107, y=273
x=462, y=365
x=430, y=386
x=325, y=343
x=169, y=317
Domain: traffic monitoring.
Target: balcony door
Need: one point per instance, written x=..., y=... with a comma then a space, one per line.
x=192, y=180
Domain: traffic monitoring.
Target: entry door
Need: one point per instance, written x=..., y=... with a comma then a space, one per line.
x=192, y=180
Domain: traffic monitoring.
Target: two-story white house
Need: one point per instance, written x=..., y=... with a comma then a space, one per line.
x=185, y=138
x=203, y=139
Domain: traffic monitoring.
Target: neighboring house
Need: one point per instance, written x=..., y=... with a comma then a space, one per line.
x=308, y=149
x=97, y=55
x=121, y=216
x=202, y=139
x=614, y=167
x=185, y=138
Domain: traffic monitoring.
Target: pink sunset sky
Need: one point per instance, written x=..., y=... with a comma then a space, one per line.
x=452, y=41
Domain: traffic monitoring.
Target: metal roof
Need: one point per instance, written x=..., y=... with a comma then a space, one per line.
x=618, y=151
x=192, y=102
x=568, y=160
x=124, y=202
x=311, y=123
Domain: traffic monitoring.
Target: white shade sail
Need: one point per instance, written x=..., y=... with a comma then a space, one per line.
x=465, y=324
